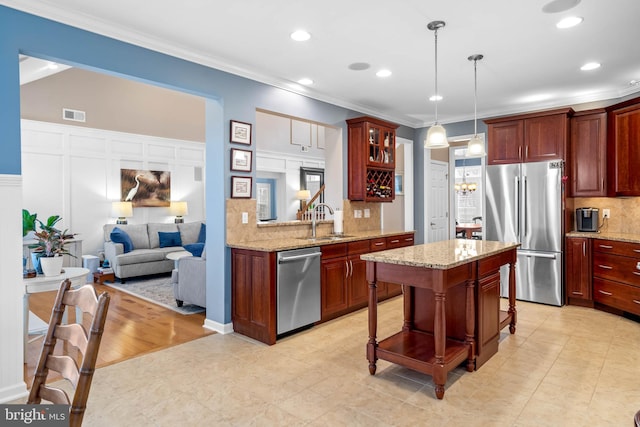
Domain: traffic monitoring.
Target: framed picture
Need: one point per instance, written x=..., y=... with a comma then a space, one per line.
x=145, y=188
x=241, y=132
x=240, y=160
x=240, y=187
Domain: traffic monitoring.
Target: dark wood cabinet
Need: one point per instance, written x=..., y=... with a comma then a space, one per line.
x=587, y=166
x=624, y=149
x=344, y=286
x=253, y=294
x=531, y=137
x=343, y=282
x=578, y=270
x=616, y=275
x=371, y=163
x=505, y=142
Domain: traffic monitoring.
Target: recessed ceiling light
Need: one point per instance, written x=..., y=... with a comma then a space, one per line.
x=52, y=66
x=383, y=73
x=634, y=82
x=300, y=35
x=568, y=22
x=359, y=66
x=556, y=6
x=305, y=81
x=590, y=66
x=435, y=98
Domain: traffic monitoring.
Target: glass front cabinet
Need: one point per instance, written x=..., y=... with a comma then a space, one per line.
x=372, y=151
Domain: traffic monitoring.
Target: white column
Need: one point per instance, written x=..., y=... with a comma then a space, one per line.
x=12, y=384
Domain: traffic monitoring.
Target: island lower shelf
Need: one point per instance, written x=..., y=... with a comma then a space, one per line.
x=416, y=350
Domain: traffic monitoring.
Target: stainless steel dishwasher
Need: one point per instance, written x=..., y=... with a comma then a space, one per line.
x=298, y=290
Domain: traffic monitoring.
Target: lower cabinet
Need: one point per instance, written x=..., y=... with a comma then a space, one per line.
x=344, y=286
x=578, y=271
x=253, y=294
x=616, y=275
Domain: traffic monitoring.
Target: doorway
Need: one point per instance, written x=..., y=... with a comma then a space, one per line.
x=467, y=189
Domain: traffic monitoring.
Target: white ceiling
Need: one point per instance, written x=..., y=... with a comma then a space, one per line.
x=528, y=63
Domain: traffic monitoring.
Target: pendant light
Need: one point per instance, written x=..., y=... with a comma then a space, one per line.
x=436, y=136
x=476, y=145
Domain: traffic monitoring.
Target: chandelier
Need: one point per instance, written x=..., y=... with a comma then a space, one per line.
x=465, y=187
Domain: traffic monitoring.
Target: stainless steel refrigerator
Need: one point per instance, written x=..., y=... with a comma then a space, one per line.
x=524, y=205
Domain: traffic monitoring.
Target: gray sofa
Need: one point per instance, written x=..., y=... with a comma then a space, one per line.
x=147, y=257
x=190, y=281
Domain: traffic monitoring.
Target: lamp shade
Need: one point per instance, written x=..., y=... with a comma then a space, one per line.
x=475, y=147
x=179, y=208
x=121, y=209
x=303, y=195
x=436, y=137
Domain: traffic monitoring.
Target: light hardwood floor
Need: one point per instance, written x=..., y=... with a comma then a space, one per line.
x=134, y=327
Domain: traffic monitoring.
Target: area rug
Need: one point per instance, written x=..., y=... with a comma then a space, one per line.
x=157, y=290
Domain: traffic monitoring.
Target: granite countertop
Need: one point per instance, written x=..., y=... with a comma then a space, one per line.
x=274, y=245
x=441, y=255
x=620, y=237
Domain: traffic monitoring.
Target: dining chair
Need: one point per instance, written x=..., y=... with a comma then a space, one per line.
x=75, y=360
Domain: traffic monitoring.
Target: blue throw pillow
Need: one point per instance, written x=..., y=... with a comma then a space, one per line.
x=169, y=239
x=203, y=233
x=195, y=248
x=118, y=235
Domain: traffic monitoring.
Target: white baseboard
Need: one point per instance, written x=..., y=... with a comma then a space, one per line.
x=220, y=328
x=15, y=392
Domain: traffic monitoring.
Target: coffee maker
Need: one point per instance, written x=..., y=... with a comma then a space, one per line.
x=587, y=219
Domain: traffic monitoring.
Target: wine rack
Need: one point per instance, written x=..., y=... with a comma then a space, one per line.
x=372, y=149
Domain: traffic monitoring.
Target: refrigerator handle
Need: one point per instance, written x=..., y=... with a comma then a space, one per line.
x=516, y=207
x=525, y=203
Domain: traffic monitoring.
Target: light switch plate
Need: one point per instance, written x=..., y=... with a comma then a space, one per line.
x=357, y=213
x=367, y=213
x=245, y=217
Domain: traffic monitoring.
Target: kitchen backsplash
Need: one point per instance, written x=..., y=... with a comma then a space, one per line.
x=251, y=231
x=625, y=212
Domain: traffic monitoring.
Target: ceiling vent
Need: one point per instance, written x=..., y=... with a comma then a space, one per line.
x=74, y=115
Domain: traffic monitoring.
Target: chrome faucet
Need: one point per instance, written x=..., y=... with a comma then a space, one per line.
x=313, y=217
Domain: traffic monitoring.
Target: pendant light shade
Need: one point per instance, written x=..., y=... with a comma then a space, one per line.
x=436, y=136
x=476, y=144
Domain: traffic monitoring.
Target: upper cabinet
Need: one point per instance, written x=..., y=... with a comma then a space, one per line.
x=588, y=154
x=531, y=137
x=624, y=149
x=372, y=152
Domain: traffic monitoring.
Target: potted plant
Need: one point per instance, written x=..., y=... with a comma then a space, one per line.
x=50, y=246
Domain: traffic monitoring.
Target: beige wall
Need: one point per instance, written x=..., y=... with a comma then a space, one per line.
x=116, y=104
x=625, y=212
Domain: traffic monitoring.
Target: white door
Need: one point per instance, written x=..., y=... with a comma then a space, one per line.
x=437, y=202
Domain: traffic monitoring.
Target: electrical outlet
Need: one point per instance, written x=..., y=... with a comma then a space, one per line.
x=357, y=213
x=245, y=217
x=606, y=213
x=367, y=213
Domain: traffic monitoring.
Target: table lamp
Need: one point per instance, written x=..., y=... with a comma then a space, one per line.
x=122, y=210
x=179, y=209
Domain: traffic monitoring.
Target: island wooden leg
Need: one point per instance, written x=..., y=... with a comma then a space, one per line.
x=373, y=320
x=470, y=325
x=512, y=296
x=439, y=336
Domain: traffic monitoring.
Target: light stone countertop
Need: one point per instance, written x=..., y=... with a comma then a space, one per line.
x=441, y=255
x=274, y=245
x=620, y=237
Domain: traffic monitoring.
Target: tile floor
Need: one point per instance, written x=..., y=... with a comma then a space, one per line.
x=568, y=366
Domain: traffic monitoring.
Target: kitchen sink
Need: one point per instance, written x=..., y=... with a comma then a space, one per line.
x=324, y=238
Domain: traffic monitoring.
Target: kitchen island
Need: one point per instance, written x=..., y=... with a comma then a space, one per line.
x=451, y=305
